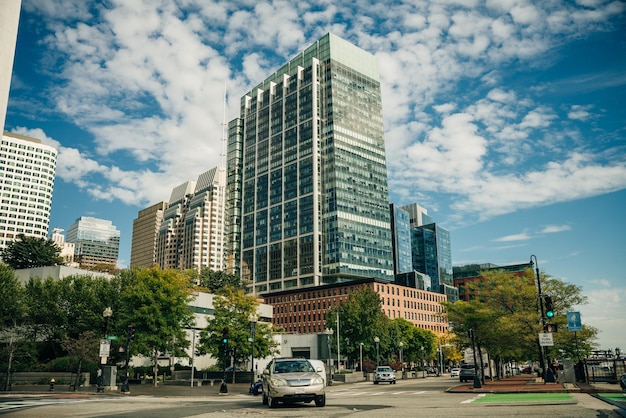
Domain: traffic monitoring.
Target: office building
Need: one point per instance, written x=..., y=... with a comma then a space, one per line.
x=307, y=174
x=96, y=241
x=418, y=216
x=302, y=311
x=431, y=252
x=67, y=248
x=401, y=239
x=9, y=21
x=466, y=277
x=191, y=235
x=145, y=233
x=27, y=173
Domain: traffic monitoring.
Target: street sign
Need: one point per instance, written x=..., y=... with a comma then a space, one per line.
x=105, y=348
x=573, y=322
x=545, y=339
x=112, y=337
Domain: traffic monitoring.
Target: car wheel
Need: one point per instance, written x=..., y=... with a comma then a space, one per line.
x=272, y=402
x=393, y=383
x=264, y=399
x=375, y=382
x=320, y=401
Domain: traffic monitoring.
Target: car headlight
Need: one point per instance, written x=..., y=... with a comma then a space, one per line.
x=317, y=381
x=278, y=382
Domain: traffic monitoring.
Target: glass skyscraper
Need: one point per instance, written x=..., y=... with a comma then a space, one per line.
x=307, y=192
x=96, y=241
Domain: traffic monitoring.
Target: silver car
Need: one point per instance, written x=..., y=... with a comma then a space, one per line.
x=384, y=374
x=290, y=380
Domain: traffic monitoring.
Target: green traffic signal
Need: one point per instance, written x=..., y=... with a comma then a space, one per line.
x=547, y=301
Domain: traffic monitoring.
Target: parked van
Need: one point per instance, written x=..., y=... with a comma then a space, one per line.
x=317, y=365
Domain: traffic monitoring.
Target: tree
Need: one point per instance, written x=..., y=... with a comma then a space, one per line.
x=12, y=314
x=155, y=302
x=27, y=252
x=85, y=347
x=218, y=280
x=361, y=319
x=232, y=310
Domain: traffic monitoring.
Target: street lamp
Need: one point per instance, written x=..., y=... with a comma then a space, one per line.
x=252, y=318
x=193, y=355
x=361, y=357
x=422, y=361
x=107, y=313
x=377, y=341
x=401, y=345
x=329, y=332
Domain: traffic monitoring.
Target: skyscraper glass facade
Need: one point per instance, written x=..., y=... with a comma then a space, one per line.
x=432, y=254
x=96, y=241
x=312, y=185
x=401, y=235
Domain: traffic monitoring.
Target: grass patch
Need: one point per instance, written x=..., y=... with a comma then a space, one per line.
x=524, y=397
x=615, y=397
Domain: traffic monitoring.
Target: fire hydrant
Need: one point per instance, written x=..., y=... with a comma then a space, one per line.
x=52, y=382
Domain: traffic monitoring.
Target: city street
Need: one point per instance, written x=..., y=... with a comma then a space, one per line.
x=407, y=398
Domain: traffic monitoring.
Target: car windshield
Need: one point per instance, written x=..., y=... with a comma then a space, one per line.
x=295, y=366
x=383, y=369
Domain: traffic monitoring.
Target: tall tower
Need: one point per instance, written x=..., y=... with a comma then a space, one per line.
x=96, y=241
x=309, y=173
x=145, y=232
x=191, y=235
x=27, y=172
x=9, y=21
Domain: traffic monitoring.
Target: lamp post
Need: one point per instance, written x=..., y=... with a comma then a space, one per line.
x=377, y=341
x=546, y=372
x=401, y=345
x=193, y=355
x=422, y=361
x=361, y=357
x=329, y=332
x=107, y=313
x=252, y=318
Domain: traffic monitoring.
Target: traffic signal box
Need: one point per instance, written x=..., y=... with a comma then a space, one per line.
x=549, y=309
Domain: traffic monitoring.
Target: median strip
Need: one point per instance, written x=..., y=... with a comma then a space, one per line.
x=525, y=398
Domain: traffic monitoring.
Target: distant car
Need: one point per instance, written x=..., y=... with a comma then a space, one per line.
x=237, y=369
x=455, y=372
x=321, y=369
x=290, y=380
x=384, y=374
x=467, y=373
x=432, y=370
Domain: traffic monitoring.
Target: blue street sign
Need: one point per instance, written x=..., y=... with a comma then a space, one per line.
x=573, y=322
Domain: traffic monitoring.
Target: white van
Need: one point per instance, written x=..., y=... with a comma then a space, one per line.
x=317, y=365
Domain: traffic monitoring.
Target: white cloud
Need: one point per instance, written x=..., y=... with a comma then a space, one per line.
x=147, y=82
x=524, y=236
x=551, y=229
x=606, y=310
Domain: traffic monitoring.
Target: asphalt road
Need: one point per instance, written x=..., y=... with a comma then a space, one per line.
x=409, y=398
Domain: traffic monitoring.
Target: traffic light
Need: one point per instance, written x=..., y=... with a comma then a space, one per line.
x=551, y=328
x=547, y=302
x=225, y=335
x=131, y=333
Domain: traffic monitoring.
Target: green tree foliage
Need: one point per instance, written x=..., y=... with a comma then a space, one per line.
x=156, y=303
x=215, y=281
x=13, y=306
x=232, y=311
x=505, y=317
x=26, y=252
x=361, y=319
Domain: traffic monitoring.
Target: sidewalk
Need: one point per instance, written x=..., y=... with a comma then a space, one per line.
x=528, y=384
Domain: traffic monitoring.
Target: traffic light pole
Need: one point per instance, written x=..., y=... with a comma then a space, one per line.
x=546, y=374
x=223, y=386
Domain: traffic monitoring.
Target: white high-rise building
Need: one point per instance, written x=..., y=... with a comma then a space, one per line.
x=27, y=172
x=67, y=248
x=191, y=235
x=9, y=20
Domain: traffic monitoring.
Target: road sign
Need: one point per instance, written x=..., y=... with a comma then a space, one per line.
x=112, y=337
x=105, y=348
x=545, y=339
x=573, y=322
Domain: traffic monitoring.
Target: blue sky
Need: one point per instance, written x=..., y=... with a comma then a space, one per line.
x=505, y=119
